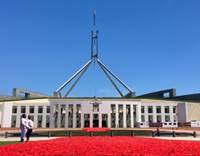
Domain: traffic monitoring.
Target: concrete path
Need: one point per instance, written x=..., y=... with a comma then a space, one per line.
x=31, y=139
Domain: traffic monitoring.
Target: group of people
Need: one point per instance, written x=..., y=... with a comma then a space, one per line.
x=26, y=127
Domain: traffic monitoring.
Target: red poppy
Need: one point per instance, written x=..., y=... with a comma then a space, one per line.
x=103, y=146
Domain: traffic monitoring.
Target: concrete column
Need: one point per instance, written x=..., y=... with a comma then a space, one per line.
x=59, y=115
x=35, y=123
x=124, y=115
x=52, y=109
x=146, y=113
x=117, y=116
x=100, y=120
x=82, y=119
x=171, y=113
x=154, y=114
x=132, y=120
x=109, y=120
x=27, y=111
x=18, y=116
x=163, y=113
x=138, y=113
x=6, y=114
x=91, y=120
x=66, y=116
x=44, y=116
x=74, y=115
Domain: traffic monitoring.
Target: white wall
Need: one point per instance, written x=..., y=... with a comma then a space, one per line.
x=182, y=112
x=6, y=114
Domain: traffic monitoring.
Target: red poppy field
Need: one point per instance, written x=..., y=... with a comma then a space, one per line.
x=103, y=146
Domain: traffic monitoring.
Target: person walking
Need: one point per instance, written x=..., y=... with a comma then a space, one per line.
x=30, y=129
x=23, y=127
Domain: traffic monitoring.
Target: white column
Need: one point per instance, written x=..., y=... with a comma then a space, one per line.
x=117, y=116
x=44, y=117
x=59, y=115
x=124, y=115
x=109, y=120
x=91, y=120
x=138, y=113
x=163, y=113
x=74, y=115
x=52, y=108
x=82, y=119
x=18, y=116
x=154, y=114
x=35, y=123
x=27, y=111
x=6, y=114
x=146, y=113
x=100, y=120
x=171, y=113
x=132, y=120
x=66, y=116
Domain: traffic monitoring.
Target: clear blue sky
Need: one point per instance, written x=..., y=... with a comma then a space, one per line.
x=151, y=45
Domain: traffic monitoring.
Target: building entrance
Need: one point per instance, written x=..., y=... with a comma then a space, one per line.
x=86, y=120
x=95, y=120
x=104, y=120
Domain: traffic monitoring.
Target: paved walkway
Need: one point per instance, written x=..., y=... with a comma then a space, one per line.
x=180, y=138
x=31, y=139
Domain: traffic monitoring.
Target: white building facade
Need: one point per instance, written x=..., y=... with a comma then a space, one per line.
x=81, y=113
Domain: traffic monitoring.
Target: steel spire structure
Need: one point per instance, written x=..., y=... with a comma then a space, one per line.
x=94, y=58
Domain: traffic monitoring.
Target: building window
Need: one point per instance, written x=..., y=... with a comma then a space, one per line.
x=166, y=109
x=95, y=107
x=150, y=118
x=128, y=116
x=14, y=109
x=166, y=95
x=113, y=119
x=158, y=109
x=150, y=109
x=120, y=116
x=40, y=109
x=48, y=109
x=31, y=109
x=174, y=109
x=95, y=120
x=23, y=109
x=63, y=112
x=86, y=120
x=167, y=118
x=113, y=109
x=159, y=118
x=104, y=120
x=143, y=118
x=175, y=118
x=13, y=121
x=70, y=116
x=142, y=109
x=39, y=123
x=78, y=116
x=47, y=121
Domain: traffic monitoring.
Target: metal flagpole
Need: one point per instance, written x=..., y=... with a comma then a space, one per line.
x=73, y=76
x=74, y=84
x=120, y=81
x=111, y=80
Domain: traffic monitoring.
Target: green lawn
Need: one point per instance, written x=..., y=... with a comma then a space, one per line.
x=2, y=143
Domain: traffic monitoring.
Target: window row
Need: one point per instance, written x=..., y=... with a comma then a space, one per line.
x=158, y=109
x=31, y=109
x=40, y=120
x=167, y=118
